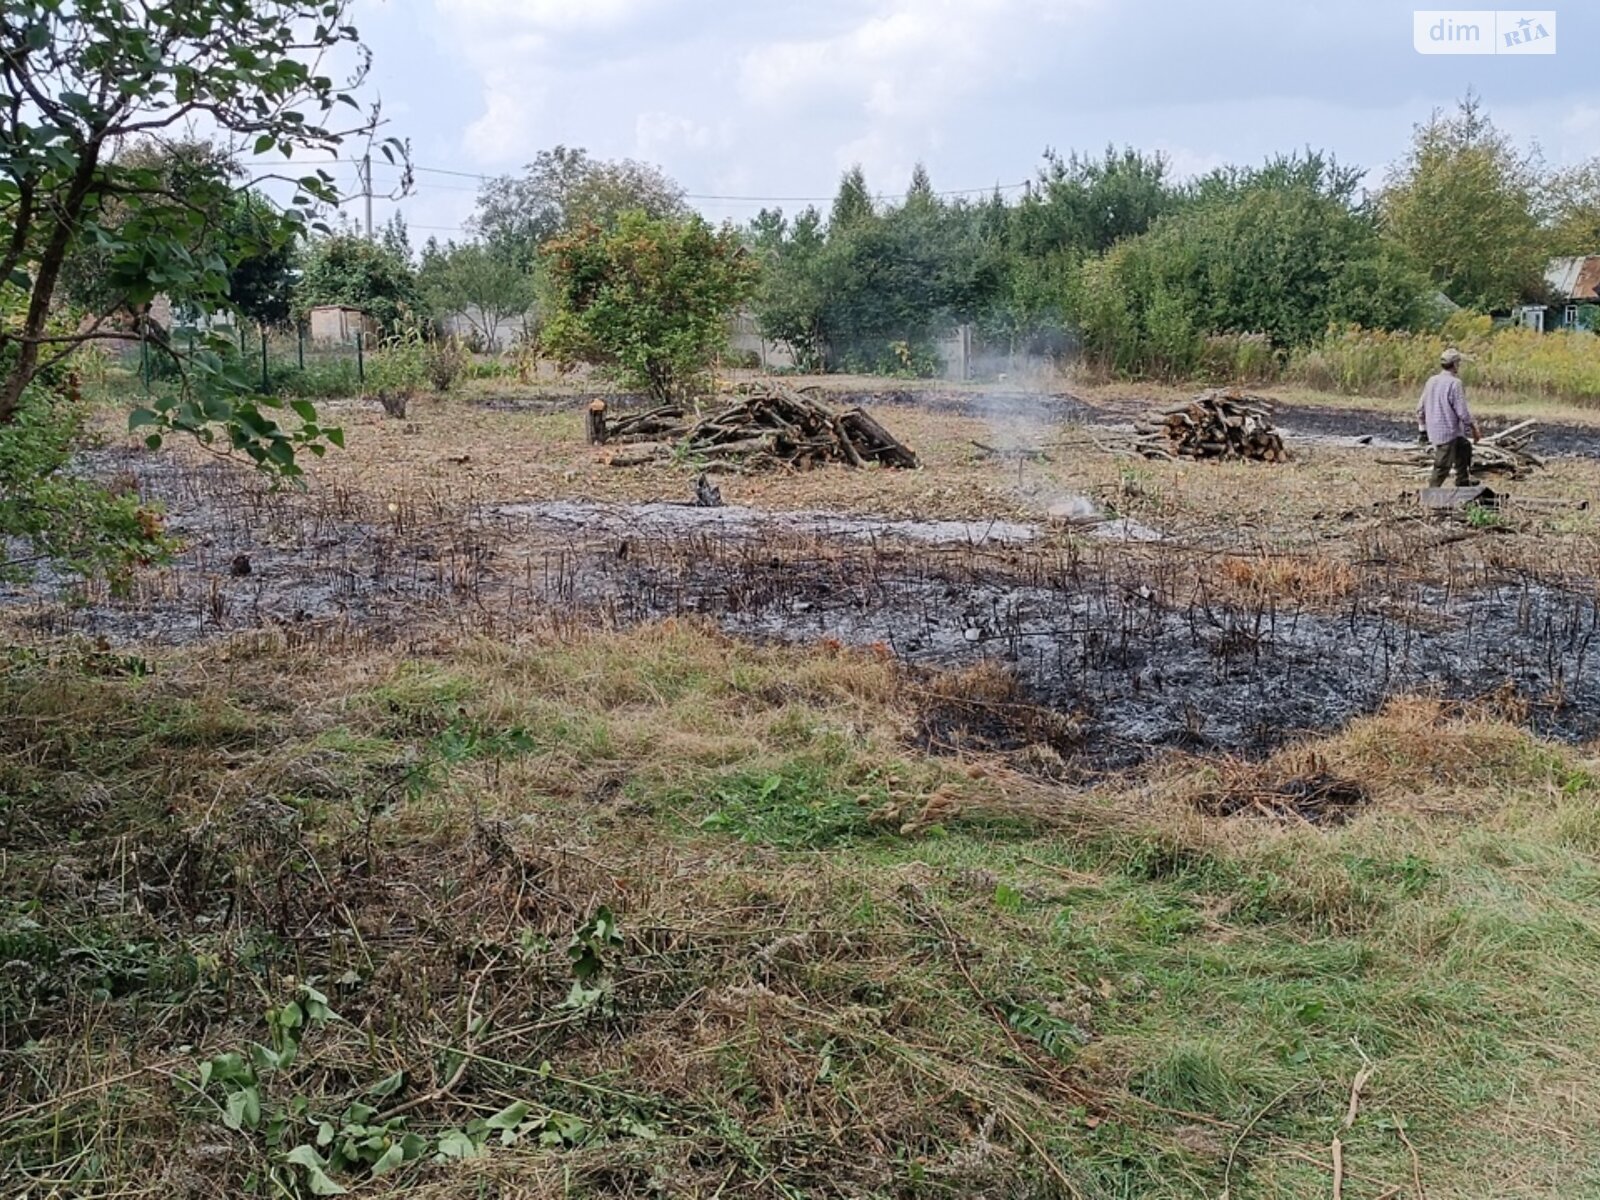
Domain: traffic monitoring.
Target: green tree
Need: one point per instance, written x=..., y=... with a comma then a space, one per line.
x=345, y=268
x=853, y=204
x=93, y=279
x=1081, y=205
x=79, y=80
x=1573, y=202
x=1284, y=250
x=562, y=190
x=648, y=301
x=1464, y=205
x=471, y=281
x=395, y=237
x=261, y=263
x=791, y=296
x=875, y=289
x=241, y=227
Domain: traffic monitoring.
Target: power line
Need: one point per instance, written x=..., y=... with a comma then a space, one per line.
x=730, y=199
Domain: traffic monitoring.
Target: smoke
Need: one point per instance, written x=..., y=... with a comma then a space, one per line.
x=1024, y=416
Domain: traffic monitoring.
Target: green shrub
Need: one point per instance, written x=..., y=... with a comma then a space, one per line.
x=78, y=524
x=444, y=360
x=396, y=371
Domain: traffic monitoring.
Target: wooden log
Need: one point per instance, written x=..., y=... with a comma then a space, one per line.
x=1498, y=438
x=638, y=455
x=888, y=449
x=754, y=445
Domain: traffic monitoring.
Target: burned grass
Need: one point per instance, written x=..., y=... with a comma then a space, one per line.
x=984, y=710
x=609, y=902
x=1137, y=648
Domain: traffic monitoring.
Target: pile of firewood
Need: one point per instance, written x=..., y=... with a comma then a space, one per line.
x=759, y=425
x=1504, y=453
x=1218, y=424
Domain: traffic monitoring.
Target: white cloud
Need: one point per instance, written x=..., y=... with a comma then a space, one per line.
x=543, y=17
x=1186, y=163
x=515, y=47
x=507, y=130
x=904, y=69
x=659, y=133
x=909, y=58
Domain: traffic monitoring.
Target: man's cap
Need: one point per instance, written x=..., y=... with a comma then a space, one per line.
x=1450, y=357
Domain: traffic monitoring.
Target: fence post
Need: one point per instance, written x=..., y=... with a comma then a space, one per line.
x=144, y=357
x=265, y=385
x=300, y=341
x=361, y=362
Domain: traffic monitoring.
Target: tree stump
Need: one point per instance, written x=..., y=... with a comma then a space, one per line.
x=595, y=423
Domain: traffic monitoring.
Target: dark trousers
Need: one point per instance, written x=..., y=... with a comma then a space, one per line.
x=1457, y=454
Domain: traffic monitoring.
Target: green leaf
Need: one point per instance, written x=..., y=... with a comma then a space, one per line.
x=265, y=142
x=335, y=436
x=391, y=1158
x=389, y=1086
x=456, y=1146
x=634, y=1127
x=509, y=1117
x=243, y=1109
x=230, y=1068
x=140, y=417
x=306, y=410
x=571, y=1130
x=316, y=1169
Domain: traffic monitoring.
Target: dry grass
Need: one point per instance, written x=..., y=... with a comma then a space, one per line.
x=844, y=967
x=1309, y=580
x=877, y=935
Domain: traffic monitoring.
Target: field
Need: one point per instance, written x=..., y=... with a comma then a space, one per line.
x=481, y=821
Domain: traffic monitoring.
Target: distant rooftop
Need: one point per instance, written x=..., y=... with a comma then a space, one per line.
x=1574, y=278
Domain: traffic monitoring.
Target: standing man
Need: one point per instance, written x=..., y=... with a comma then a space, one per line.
x=1443, y=416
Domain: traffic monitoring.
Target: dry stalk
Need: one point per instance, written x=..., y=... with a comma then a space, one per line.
x=469, y=1041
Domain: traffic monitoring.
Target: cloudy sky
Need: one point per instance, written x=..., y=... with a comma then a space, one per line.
x=759, y=99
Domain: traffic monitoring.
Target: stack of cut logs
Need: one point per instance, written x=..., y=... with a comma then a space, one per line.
x=759, y=425
x=1504, y=453
x=1218, y=424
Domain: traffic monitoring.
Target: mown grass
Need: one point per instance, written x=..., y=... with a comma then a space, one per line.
x=706, y=916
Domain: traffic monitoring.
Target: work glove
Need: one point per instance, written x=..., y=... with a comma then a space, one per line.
x=1422, y=437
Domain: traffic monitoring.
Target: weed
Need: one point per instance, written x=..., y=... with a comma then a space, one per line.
x=798, y=806
x=1481, y=516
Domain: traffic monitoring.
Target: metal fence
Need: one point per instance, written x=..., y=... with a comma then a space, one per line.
x=282, y=362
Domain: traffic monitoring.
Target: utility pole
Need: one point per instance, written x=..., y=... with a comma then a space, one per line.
x=366, y=188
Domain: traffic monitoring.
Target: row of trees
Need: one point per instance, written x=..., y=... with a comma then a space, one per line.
x=1106, y=257
x=1113, y=258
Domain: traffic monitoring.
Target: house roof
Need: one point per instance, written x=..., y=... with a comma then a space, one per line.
x=1574, y=278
